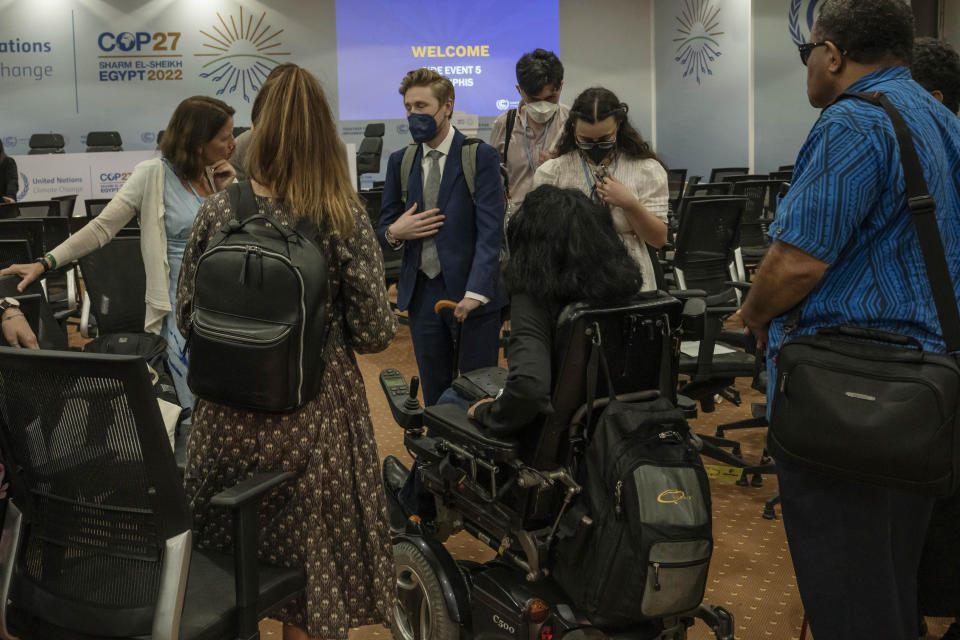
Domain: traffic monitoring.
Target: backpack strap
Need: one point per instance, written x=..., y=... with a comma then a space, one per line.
x=241, y=200
x=468, y=159
x=406, y=166
x=595, y=363
x=511, y=120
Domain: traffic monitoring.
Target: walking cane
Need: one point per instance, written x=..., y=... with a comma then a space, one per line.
x=451, y=305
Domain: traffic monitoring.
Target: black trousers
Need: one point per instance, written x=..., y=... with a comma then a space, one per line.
x=856, y=551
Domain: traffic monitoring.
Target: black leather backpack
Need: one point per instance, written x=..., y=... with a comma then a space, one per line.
x=259, y=322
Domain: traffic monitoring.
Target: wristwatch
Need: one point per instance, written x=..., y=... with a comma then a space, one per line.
x=391, y=239
x=6, y=303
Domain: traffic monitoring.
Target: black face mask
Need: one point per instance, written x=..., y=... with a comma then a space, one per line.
x=596, y=154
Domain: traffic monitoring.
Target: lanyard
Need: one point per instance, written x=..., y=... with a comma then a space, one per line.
x=526, y=143
x=591, y=183
x=189, y=183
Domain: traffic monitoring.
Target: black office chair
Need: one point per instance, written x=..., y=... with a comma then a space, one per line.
x=236, y=131
x=782, y=176
x=741, y=178
x=14, y=251
x=370, y=149
x=38, y=208
x=98, y=141
x=9, y=210
x=42, y=235
x=676, y=181
x=116, y=287
x=761, y=196
x=97, y=534
x=785, y=167
x=41, y=143
x=51, y=333
x=717, y=175
x=94, y=206
x=67, y=204
x=708, y=189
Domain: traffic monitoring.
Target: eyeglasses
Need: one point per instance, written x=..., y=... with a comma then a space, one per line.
x=603, y=144
x=807, y=48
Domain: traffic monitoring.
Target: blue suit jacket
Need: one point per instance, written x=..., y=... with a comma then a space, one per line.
x=469, y=241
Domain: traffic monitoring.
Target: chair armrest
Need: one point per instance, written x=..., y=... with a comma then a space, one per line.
x=686, y=294
x=253, y=488
x=739, y=284
x=243, y=500
x=693, y=308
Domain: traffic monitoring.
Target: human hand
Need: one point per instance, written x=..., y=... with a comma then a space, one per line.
x=614, y=193
x=29, y=273
x=758, y=332
x=8, y=199
x=546, y=155
x=472, y=410
x=16, y=331
x=464, y=307
x=223, y=174
x=412, y=225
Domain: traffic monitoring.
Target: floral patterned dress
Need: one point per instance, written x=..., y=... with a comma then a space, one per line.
x=331, y=519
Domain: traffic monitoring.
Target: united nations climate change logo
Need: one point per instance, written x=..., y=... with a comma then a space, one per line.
x=698, y=28
x=801, y=21
x=25, y=184
x=241, y=55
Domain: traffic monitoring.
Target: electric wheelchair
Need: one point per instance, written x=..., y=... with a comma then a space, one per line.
x=511, y=492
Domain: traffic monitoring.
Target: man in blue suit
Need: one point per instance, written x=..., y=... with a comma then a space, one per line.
x=451, y=238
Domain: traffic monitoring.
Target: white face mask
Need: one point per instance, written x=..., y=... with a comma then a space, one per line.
x=541, y=111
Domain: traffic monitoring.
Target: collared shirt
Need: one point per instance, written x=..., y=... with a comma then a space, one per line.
x=534, y=137
x=847, y=206
x=425, y=163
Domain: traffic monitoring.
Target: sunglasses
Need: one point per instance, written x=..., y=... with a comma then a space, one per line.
x=807, y=48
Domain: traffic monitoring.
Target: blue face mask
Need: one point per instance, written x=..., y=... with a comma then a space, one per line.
x=422, y=126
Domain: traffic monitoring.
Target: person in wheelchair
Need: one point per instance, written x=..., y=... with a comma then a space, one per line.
x=564, y=248
x=504, y=459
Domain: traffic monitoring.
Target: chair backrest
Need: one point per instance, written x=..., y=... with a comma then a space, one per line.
x=676, y=179
x=708, y=189
x=50, y=334
x=717, y=175
x=9, y=210
x=93, y=206
x=736, y=179
x=237, y=130
x=637, y=340
x=761, y=195
x=94, y=487
x=785, y=167
x=29, y=229
x=116, y=283
x=67, y=204
x=14, y=251
x=370, y=149
x=43, y=233
x=781, y=176
x=38, y=208
x=45, y=143
x=707, y=241
x=104, y=141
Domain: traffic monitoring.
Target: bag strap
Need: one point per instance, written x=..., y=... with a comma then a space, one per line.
x=511, y=120
x=241, y=200
x=468, y=160
x=595, y=362
x=923, y=212
x=406, y=166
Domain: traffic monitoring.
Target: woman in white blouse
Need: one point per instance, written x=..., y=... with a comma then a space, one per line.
x=601, y=154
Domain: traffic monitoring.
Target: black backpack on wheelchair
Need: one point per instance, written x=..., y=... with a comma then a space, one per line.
x=512, y=493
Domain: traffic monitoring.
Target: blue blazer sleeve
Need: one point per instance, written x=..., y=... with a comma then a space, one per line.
x=391, y=206
x=489, y=196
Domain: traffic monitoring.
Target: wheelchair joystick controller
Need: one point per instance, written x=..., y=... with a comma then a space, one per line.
x=402, y=398
x=412, y=403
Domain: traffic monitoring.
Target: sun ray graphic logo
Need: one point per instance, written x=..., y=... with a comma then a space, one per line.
x=241, y=55
x=698, y=26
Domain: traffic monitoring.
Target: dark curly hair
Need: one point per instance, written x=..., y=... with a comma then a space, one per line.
x=538, y=69
x=936, y=66
x=563, y=248
x=870, y=31
x=596, y=104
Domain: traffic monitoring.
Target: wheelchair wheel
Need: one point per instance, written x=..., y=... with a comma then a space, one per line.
x=420, y=612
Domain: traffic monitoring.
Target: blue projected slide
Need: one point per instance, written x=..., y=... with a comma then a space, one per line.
x=475, y=44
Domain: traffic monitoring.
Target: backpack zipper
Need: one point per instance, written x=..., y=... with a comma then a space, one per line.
x=211, y=331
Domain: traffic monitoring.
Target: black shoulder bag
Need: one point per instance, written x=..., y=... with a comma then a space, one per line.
x=872, y=406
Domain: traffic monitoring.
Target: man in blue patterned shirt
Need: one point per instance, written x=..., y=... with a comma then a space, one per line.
x=845, y=249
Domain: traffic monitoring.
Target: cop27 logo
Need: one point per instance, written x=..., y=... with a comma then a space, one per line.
x=801, y=20
x=242, y=51
x=697, y=30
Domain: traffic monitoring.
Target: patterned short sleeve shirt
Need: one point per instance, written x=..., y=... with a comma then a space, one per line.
x=847, y=206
